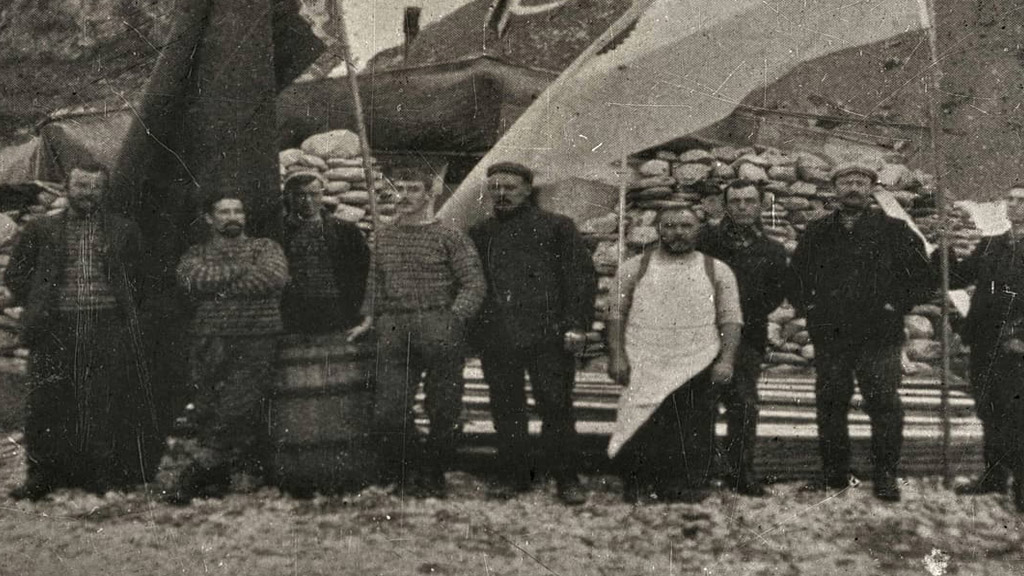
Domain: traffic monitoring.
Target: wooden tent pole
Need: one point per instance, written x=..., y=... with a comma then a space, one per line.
x=336, y=13
x=941, y=202
x=622, y=213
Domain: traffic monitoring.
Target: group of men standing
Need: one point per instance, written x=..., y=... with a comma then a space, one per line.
x=687, y=330
x=92, y=418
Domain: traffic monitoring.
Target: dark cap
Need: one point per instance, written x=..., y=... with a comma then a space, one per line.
x=511, y=168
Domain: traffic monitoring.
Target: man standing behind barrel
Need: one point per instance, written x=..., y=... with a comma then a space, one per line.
x=855, y=273
x=327, y=259
x=540, y=301
x=236, y=283
x=759, y=264
x=425, y=285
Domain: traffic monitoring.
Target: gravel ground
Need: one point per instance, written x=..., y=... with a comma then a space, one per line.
x=265, y=533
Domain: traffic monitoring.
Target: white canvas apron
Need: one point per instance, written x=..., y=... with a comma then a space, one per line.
x=671, y=336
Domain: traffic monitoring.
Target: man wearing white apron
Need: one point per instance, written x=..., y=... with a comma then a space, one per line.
x=673, y=334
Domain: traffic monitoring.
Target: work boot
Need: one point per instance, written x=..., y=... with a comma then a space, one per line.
x=747, y=485
x=430, y=483
x=34, y=489
x=887, y=489
x=989, y=483
x=570, y=491
x=832, y=482
x=507, y=488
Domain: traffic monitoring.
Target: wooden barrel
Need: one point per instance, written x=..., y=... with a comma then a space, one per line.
x=321, y=413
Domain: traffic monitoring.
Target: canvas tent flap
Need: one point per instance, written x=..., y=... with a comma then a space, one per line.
x=18, y=163
x=68, y=141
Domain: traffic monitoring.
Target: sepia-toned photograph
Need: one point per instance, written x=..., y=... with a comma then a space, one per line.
x=512, y=287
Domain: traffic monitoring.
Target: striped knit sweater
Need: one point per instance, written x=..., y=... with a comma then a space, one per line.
x=237, y=286
x=85, y=285
x=424, y=267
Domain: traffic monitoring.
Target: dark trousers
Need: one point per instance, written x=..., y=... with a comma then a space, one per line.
x=741, y=411
x=90, y=414
x=997, y=385
x=411, y=346
x=878, y=372
x=232, y=377
x=552, y=373
x=674, y=448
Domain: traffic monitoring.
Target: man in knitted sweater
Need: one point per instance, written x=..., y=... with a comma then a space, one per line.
x=425, y=284
x=236, y=283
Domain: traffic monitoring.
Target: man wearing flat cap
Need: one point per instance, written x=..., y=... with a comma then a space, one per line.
x=854, y=275
x=540, y=297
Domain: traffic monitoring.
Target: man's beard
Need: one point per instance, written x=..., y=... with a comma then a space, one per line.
x=85, y=205
x=232, y=230
x=677, y=247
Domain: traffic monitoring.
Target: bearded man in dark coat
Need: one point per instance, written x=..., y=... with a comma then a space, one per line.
x=90, y=421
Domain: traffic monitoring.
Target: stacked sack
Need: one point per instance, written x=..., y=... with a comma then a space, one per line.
x=49, y=201
x=338, y=157
x=797, y=191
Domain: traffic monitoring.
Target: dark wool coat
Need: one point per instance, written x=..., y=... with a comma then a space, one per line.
x=39, y=261
x=540, y=279
x=350, y=257
x=760, y=270
x=996, y=268
x=856, y=285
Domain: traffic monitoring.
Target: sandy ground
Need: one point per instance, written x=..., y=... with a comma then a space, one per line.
x=265, y=533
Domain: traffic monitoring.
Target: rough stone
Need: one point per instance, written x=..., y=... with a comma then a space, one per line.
x=725, y=153
x=782, y=314
x=697, y=155
x=652, y=182
x=640, y=236
x=808, y=352
x=918, y=327
x=722, y=171
x=691, y=172
x=795, y=203
x=787, y=358
x=804, y=189
x=655, y=168
x=783, y=173
x=753, y=172
x=793, y=327
x=921, y=350
x=333, y=144
x=802, y=338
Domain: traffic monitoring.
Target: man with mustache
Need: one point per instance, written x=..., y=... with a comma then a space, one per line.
x=425, y=285
x=235, y=283
x=854, y=275
x=90, y=416
x=673, y=331
x=540, y=301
